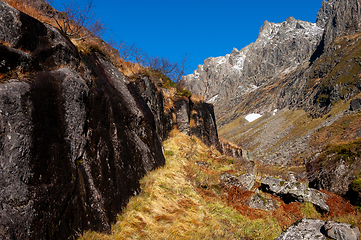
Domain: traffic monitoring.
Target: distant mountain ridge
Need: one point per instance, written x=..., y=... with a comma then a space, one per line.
x=280, y=50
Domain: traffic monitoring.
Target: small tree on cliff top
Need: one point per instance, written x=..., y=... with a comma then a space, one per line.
x=76, y=18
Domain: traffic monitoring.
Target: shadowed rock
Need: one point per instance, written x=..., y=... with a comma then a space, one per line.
x=355, y=104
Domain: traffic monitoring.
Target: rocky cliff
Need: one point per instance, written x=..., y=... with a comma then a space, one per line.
x=279, y=49
x=76, y=135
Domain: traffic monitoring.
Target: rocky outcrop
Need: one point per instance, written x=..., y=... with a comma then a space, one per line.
x=309, y=229
x=336, y=170
x=295, y=192
x=76, y=135
x=235, y=151
x=155, y=99
x=71, y=155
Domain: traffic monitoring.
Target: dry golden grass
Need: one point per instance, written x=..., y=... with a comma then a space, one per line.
x=182, y=201
x=170, y=206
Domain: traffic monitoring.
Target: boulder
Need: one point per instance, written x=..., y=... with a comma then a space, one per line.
x=295, y=192
x=305, y=229
x=309, y=229
x=258, y=201
x=244, y=182
x=342, y=231
x=355, y=104
x=247, y=181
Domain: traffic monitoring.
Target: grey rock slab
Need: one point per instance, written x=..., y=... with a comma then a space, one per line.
x=341, y=231
x=305, y=229
x=247, y=181
x=295, y=192
x=244, y=182
x=309, y=229
x=257, y=201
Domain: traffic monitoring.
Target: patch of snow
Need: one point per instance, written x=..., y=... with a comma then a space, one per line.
x=220, y=60
x=212, y=99
x=252, y=117
x=196, y=75
x=274, y=111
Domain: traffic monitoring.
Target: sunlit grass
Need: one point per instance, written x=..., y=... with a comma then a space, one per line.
x=171, y=207
x=178, y=201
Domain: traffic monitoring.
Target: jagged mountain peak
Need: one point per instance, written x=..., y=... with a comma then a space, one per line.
x=281, y=31
x=279, y=48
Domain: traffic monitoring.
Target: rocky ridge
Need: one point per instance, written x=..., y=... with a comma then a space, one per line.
x=275, y=71
x=279, y=49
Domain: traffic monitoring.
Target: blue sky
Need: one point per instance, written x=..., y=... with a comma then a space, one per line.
x=201, y=29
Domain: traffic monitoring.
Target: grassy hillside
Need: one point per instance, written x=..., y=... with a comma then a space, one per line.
x=184, y=200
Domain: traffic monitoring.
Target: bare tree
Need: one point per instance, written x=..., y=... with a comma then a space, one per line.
x=173, y=70
x=77, y=18
x=163, y=65
x=183, y=68
x=132, y=53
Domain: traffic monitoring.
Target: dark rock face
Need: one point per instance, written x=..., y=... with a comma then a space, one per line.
x=77, y=153
x=196, y=118
x=309, y=229
x=183, y=115
x=295, y=192
x=47, y=47
x=155, y=100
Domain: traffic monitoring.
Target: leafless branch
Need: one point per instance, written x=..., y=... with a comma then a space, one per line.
x=76, y=18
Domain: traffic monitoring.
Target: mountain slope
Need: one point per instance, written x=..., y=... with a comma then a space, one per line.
x=297, y=97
